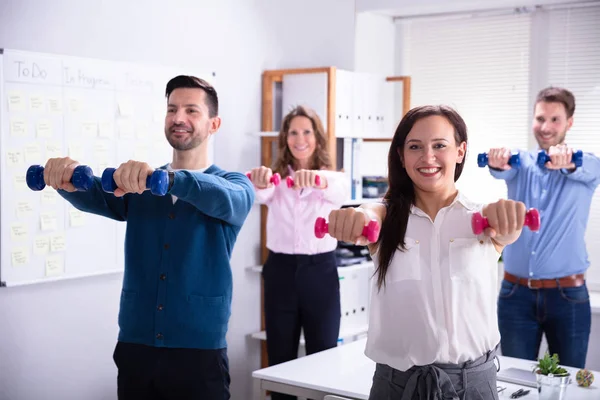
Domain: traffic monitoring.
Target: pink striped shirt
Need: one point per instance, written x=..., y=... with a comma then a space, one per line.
x=292, y=214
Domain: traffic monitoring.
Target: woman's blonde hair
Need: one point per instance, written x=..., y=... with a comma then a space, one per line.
x=320, y=158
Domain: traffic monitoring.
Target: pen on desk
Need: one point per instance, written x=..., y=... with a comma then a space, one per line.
x=519, y=393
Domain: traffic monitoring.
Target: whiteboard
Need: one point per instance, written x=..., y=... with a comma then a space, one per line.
x=100, y=113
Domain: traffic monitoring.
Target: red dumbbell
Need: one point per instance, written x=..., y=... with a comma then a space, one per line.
x=371, y=231
x=275, y=179
x=290, y=181
x=532, y=220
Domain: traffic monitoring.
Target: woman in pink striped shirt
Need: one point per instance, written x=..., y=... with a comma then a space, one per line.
x=301, y=286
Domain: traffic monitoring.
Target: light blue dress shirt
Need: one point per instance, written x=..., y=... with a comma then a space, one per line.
x=563, y=199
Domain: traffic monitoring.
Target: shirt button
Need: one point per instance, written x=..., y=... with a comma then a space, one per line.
x=159, y=336
x=166, y=246
x=451, y=240
x=160, y=307
x=171, y=216
x=533, y=253
x=163, y=277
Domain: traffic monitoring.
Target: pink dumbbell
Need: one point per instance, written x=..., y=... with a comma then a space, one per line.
x=290, y=181
x=532, y=220
x=275, y=179
x=371, y=231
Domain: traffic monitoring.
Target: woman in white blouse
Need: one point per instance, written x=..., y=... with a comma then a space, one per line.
x=433, y=329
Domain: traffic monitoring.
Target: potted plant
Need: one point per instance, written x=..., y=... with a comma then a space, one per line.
x=552, y=379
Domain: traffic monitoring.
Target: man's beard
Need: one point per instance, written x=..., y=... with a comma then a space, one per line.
x=194, y=142
x=560, y=139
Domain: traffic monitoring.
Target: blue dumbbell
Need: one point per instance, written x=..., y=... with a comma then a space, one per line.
x=513, y=161
x=82, y=179
x=576, y=159
x=158, y=182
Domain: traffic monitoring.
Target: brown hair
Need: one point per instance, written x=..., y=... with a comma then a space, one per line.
x=320, y=158
x=558, y=95
x=186, y=81
x=400, y=195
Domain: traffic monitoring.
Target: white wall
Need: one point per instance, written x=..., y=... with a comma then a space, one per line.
x=56, y=340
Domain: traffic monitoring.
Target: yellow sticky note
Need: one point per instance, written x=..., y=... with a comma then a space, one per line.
x=33, y=153
x=41, y=245
x=18, y=127
x=49, y=196
x=76, y=217
x=58, y=242
x=48, y=221
x=24, y=209
x=43, y=128
x=89, y=129
x=18, y=231
x=55, y=265
x=142, y=130
x=125, y=107
x=14, y=158
x=20, y=182
x=54, y=105
x=106, y=130
x=53, y=150
x=76, y=151
x=126, y=129
x=36, y=103
x=19, y=256
x=74, y=105
x=16, y=101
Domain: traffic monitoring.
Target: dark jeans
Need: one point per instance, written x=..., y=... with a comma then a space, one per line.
x=300, y=291
x=156, y=373
x=563, y=314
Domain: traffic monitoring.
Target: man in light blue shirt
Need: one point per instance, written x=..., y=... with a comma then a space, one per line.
x=544, y=289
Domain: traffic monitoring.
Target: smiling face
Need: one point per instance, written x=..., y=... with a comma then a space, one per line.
x=430, y=154
x=187, y=123
x=550, y=123
x=301, y=141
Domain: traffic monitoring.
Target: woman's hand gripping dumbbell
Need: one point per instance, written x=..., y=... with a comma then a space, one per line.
x=305, y=178
x=60, y=173
x=135, y=177
x=263, y=177
x=350, y=225
x=480, y=223
x=501, y=159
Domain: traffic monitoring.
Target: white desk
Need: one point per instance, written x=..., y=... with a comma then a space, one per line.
x=345, y=371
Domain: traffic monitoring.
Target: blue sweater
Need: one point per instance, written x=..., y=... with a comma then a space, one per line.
x=177, y=284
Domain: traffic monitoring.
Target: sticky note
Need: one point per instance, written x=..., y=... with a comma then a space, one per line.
x=76, y=151
x=16, y=101
x=58, y=242
x=48, y=221
x=18, y=127
x=74, y=105
x=54, y=105
x=43, y=128
x=36, y=103
x=89, y=129
x=53, y=150
x=49, y=196
x=20, y=183
x=106, y=130
x=18, y=231
x=14, y=158
x=126, y=129
x=24, y=209
x=33, y=153
x=41, y=245
x=125, y=107
x=55, y=265
x=19, y=256
x=76, y=217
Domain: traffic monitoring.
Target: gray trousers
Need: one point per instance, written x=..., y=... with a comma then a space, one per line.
x=472, y=380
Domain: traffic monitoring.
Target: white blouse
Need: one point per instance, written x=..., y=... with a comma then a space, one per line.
x=439, y=299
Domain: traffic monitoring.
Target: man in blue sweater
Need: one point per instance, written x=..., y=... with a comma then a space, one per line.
x=177, y=285
x=544, y=289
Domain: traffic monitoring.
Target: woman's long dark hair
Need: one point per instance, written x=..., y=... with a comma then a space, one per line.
x=400, y=195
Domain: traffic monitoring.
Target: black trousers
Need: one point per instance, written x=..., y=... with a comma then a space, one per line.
x=158, y=373
x=300, y=292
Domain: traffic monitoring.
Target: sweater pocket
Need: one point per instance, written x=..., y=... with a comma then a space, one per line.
x=211, y=312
